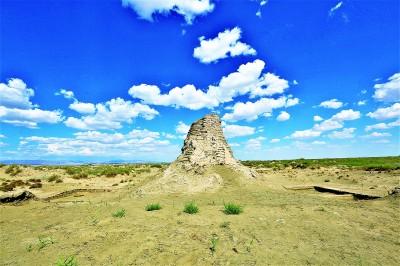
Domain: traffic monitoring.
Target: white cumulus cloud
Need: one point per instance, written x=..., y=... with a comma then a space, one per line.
x=138, y=143
x=389, y=91
x=17, y=109
x=225, y=44
x=248, y=79
x=335, y=122
x=332, y=104
x=361, y=103
x=305, y=134
x=317, y=118
x=392, y=111
x=383, y=126
x=252, y=110
x=254, y=144
x=182, y=128
x=80, y=107
x=111, y=115
x=283, y=116
x=187, y=96
x=83, y=108
x=16, y=94
x=346, y=115
x=378, y=135
x=232, y=131
x=189, y=9
x=346, y=133
x=66, y=94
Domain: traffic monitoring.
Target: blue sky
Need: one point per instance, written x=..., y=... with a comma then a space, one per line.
x=108, y=80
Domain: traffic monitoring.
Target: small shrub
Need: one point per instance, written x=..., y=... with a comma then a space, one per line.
x=119, y=214
x=13, y=170
x=44, y=242
x=231, y=208
x=143, y=170
x=68, y=261
x=80, y=176
x=153, y=207
x=9, y=186
x=327, y=180
x=29, y=247
x=224, y=225
x=36, y=185
x=6, y=187
x=214, y=242
x=191, y=208
x=10, y=169
x=53, y=178
x=35, y=180
x=18, y=183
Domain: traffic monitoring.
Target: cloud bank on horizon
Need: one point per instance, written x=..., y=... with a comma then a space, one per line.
x=274, y=101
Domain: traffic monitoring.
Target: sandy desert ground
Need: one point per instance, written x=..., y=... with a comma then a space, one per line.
x=278, y=226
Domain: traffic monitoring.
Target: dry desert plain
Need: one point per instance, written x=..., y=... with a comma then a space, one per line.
x=107, y=223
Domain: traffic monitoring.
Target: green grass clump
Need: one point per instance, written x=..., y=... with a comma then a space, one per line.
x=68, y=261
x=29, y=247
x=44, y=242
x=231, y=208
x=191, y=208
x=153, y=207
x=214, y=242
x=119, y=214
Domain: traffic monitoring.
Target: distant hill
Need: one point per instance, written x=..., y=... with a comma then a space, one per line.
x=50, y=162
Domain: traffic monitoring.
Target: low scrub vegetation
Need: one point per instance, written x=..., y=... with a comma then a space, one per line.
x=36, y=185
x=232, y=208
x=153, y=207
x=13, y=170
x=10, y=185
x=81, y=175
x=225, y=225
x=191, y=208
x=86, y=171
x=366, y=163
x=119, y=213
x=54, y=178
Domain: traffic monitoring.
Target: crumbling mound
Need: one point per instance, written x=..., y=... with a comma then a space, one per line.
x=17, y=197
x=204, y=147
x=395, y=192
